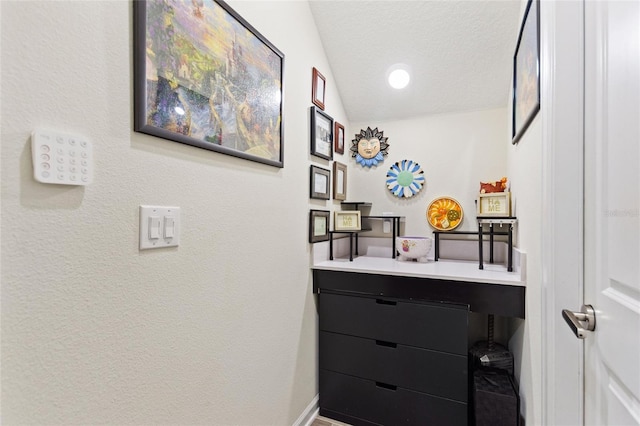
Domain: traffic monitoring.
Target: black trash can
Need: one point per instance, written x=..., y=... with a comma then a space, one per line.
x=495, y=398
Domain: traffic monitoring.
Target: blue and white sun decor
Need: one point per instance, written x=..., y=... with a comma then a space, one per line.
x=405, y=179
x=369, y=147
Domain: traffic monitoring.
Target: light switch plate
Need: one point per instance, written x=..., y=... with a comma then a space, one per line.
x=159, y=227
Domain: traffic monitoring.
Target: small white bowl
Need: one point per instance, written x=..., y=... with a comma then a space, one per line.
x=410, y=248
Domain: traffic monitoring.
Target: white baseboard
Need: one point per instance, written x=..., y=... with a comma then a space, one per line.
x=309, y=414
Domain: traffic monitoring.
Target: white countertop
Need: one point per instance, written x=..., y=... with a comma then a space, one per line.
x=444, y=269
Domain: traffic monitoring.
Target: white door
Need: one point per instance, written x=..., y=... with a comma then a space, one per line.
x=612, y=211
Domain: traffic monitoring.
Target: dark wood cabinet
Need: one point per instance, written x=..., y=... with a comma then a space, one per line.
x=393, y=346
x=391, y=361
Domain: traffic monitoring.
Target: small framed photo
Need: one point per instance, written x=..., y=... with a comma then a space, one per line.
x=348, y=220
x=338, y=138
x=320, y=179
x=317, y=89
x=494, y=204
x=318, y=225
x=321, y=134
x=339, y=181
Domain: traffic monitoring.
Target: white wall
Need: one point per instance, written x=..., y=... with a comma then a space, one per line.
x=455, y=151
x=525, y=168
x=221, y=330
x=526, y=178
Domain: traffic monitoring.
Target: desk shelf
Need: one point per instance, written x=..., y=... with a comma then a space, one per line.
x=491, y=221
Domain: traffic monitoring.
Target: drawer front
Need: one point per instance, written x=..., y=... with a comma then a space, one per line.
x=431, y=326
x=379, y=403
x=436, y=373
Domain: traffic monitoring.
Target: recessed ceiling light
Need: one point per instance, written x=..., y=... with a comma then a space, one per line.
x=398, y=76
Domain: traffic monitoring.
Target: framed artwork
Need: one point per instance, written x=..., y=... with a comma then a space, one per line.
x=318, y=84
x=203, y=76
x=321, y=134
x=339, y=181
x=318, y=225
x=494, y=204
x=445, y=214
x=526, y=73
x=348, y=220
x=320, y=179
x=339, y=138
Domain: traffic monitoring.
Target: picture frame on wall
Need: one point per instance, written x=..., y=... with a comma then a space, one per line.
x=318, y=84
x=526, y=72
x=339, y=138
x=213, y=82
x=319, y=187
x=318, y=225
x=321, y=134
x=339, y=181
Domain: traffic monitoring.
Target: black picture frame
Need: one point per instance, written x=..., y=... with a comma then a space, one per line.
x=223, y=93
x=526, y=72
x=321, y=134
x=320, y=183
x=318, y=225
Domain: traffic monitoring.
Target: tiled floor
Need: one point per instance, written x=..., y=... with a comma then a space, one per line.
x=323, y=421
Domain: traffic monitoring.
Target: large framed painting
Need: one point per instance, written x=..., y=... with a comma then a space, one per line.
x=526, y=72
x=203, y=76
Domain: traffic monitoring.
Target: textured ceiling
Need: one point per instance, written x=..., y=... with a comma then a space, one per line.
x=460, y=54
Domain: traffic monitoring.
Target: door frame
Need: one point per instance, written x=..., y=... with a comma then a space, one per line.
x=562, y=109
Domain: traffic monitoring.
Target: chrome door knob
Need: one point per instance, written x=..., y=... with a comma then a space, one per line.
x=575, y=320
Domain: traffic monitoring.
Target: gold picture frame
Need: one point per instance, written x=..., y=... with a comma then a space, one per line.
x=494, y=204
x=349, y=220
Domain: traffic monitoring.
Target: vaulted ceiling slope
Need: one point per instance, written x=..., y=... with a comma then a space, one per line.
x=460, y=54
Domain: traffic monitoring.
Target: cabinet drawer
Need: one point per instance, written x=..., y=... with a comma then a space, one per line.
x=432, y=372
x=365, y=401
x=426, y=325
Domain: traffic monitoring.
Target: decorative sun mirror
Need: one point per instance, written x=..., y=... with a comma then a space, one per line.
x=369, y=147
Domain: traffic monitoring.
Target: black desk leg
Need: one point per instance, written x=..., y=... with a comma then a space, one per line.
x=510, y=250
x=491, y=243
x=351, y=247
x=480, y=246
x=393, y=237
x=330, y=245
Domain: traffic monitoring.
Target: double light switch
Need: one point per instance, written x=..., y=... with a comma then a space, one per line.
x=159, y=227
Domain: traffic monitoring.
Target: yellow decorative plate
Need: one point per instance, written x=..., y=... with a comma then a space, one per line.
x=444, y=214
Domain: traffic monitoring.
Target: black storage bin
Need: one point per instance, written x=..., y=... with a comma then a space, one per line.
x=496, y=400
